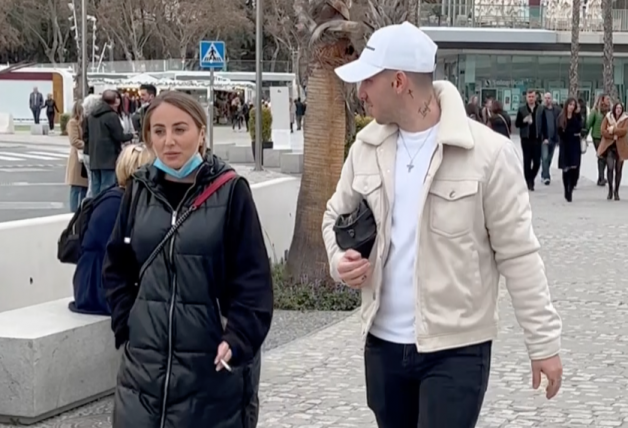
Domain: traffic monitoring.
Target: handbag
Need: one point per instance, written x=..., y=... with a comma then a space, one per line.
x=357, y=230
x=583, y=145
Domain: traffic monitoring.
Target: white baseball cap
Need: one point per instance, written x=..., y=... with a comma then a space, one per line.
x=401, y=47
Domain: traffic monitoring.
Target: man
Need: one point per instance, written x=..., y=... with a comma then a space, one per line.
x=36, y=103
x=105, y=135
x=594, y=126
x=300, y=112
x=530, y=144
x=487, y=110
x=453, y=215
x=547, y=130
x=147, y=95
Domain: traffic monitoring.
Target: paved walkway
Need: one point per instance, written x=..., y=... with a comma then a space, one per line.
x=318, y=381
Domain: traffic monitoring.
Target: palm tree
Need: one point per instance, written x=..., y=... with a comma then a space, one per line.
x=608, y=71
x=575, y=49
x=328, y=29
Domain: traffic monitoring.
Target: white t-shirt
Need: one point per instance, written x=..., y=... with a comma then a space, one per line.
x=394, y=321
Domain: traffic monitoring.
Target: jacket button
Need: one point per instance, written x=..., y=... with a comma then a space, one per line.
x=374, y=295
x=452, y=194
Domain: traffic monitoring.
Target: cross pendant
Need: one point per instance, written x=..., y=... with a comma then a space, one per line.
x=410, y=166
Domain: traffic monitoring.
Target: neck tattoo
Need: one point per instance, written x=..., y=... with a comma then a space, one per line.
x=425, y=109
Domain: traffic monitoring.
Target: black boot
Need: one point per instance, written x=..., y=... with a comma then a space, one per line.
x=601, y=167
x=617, y=181
x=567, y=186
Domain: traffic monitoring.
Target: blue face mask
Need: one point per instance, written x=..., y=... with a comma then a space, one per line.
x=188, y=168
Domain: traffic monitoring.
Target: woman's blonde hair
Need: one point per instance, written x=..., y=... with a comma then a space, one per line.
x=77, y=111
x=132, y=157
x=181, y=101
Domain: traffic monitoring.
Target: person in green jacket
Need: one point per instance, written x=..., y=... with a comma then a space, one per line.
x=594, y=123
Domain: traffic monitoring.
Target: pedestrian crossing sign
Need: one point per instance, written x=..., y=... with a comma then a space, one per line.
x=212, y=54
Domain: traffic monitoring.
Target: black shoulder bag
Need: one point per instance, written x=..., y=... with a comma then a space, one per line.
x=357, y=230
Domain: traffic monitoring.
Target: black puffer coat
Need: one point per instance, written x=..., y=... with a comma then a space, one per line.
x=216, y=266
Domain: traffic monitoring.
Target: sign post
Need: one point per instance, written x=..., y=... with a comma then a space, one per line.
x=212, y=56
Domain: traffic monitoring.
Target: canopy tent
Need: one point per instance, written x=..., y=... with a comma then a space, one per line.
x=220, y=84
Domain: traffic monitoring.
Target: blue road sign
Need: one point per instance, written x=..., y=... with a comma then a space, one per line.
x=212, y=54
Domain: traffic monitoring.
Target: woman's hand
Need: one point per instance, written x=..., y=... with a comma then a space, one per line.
x=611, y=129
x=223, y=357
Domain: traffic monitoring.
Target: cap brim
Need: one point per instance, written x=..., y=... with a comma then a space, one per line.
x=357, y=71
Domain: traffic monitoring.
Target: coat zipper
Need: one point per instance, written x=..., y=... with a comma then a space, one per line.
x=173, y=296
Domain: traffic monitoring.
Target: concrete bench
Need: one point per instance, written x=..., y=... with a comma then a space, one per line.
x=6, y=124
x=40, y=129
x=291, y=163
x=53, y=360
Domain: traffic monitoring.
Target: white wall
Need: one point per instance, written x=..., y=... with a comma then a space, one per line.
x=30, y=273
x=276, y=202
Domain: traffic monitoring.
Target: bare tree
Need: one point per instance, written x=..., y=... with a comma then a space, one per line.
x=46, y=21
x=575, y=49
x=279, y=23
x=607, y=63
x=183, y=23
x=130, y=22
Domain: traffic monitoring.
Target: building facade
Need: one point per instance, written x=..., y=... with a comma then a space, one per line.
x=502, y=48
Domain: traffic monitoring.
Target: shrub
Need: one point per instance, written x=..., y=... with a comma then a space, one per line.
x=304, y=295
x=360, y=123
x=63, y=123
x=267, y=124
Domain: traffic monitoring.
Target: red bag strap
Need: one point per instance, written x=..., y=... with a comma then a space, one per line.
x=213, y=188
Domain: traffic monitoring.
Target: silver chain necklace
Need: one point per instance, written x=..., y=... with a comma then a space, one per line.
x=410, y=165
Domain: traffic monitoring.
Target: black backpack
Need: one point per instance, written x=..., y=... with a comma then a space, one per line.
x=69, y=244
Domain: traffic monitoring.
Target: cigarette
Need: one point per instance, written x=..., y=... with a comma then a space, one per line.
x=225, y=365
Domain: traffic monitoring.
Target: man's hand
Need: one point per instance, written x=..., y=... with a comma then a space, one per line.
x=546, y=141
x=353, y=269
x=552, y=368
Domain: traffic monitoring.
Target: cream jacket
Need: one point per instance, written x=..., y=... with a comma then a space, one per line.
x=476, y=224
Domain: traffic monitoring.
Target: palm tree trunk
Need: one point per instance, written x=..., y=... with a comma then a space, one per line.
x=323, y=155
x=608, y=69
x=575, y=49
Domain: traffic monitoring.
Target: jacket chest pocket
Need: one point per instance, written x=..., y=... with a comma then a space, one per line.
x=452, y=207
x=369, y=186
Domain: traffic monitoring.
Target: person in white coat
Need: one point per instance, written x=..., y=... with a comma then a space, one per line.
x=453, y=215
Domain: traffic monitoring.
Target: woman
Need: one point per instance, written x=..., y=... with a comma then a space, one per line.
x=487, y=111
x=188, y=282
x=569, y=130
x=51, y=109
x=75, y=173
x=614, y=147
x=89, y=296
x=594, y=126
x=499, y=120
x=125, y=118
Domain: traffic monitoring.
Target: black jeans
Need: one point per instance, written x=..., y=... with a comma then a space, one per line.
x=51, y=121
x=408, y=389
x=601, y=162
x=531, y=149
x=252, y=372
x=36, y=113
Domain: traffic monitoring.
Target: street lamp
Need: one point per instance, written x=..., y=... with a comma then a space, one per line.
x=259, y=39
x=92, y=19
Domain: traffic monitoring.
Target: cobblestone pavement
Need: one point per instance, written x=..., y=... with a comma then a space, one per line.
x=317, y=381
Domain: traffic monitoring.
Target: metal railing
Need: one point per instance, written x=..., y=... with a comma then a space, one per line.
x=498, y=14
x=160, y=65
